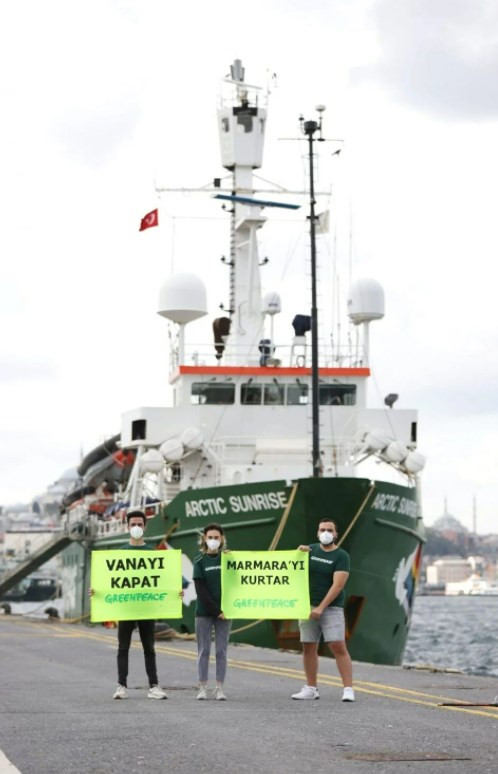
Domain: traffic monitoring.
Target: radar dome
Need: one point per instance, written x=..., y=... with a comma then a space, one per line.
x=272, y=303
x=366, y=301
x=182, y=298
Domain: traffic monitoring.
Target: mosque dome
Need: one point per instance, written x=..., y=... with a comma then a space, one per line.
x=71, y=474
x=449, y=522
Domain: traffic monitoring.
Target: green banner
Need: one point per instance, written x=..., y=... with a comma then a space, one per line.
x=265, y=584
x=135, y=585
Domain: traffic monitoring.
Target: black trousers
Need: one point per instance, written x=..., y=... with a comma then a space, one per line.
x=146, y=630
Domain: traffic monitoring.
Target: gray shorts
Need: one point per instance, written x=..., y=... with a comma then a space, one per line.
x=330, y=624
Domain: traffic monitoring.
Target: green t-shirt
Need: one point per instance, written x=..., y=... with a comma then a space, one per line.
x=322, y=566
x=145, y=547
x=207, y=567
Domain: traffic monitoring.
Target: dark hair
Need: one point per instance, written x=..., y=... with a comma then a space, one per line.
x=213, y=526
x=135, y=514
x=202, y=536
x=329, y=520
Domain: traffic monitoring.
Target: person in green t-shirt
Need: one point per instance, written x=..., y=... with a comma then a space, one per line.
x=328, y=573
x=208, y=613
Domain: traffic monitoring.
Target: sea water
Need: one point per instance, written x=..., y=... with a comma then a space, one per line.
x=455, y=632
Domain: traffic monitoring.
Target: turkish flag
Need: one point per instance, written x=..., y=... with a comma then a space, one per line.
x=151, y=219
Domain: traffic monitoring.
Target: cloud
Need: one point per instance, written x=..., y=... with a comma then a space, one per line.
x=440, y=57
x=24, y=370
x=94, y=135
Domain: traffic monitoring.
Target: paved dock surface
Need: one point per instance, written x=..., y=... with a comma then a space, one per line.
x=57, y=714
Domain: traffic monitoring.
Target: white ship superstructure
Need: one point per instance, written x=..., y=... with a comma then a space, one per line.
x=241, y=408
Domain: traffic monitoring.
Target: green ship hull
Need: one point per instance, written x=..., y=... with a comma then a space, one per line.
x=378, y=525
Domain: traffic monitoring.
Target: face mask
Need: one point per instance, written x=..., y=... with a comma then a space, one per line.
x=136, y=532
x=326, y=538
x=213, y=544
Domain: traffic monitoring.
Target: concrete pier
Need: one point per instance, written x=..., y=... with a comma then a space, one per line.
x=58, y=716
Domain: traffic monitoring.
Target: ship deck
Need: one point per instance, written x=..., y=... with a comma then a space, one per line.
x=58, y=715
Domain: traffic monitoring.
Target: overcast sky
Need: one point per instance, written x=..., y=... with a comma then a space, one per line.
x=100, y=99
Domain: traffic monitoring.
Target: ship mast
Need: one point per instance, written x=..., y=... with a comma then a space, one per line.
x=310, y=128
x=241, y=124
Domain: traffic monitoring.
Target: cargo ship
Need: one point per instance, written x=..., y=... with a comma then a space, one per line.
x=263, y=436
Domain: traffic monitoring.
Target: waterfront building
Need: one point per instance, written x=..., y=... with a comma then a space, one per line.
x=448, y=570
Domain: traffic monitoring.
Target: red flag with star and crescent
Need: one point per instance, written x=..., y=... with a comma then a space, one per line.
x=151, y=219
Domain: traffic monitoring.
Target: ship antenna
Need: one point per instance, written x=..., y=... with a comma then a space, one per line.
x=309, y=129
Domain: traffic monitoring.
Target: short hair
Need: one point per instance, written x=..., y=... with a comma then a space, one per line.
x=213, y=526
x=136, y=515
x=331, y=521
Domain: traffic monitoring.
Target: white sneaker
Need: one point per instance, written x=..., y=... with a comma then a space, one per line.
x=218, y=693
x=156, y=693
x=202, y=695
x=120, y=692
x=348, y=694
x=307, y=692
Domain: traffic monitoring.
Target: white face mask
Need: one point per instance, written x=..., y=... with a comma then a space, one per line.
x=213, y=544
x=136, y=532
x=326, y=538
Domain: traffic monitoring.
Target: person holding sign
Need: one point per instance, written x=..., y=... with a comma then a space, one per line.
x=328, y=573
x=208, y=614
x=136, y=525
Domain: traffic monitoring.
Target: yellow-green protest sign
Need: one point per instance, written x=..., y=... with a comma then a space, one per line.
x=265, y=584
x=136, y=585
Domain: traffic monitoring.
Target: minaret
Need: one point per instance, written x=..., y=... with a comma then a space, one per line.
x=241, y=124
x=474, y=515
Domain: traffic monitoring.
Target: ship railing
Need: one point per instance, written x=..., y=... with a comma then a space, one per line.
x=111, y=526
x=295, y=355
x=229, y=450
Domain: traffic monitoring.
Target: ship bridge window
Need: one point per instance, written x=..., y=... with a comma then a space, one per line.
x=250, y=394
x=138, y=429
x=337, y=394
x=212, y=393
x=297, y=394
x=273, y=394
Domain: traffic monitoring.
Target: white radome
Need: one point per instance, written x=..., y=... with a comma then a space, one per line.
x=183, y=298
x=366, y=301
x=172, y=450
x=272, y=303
